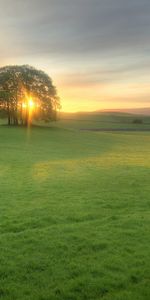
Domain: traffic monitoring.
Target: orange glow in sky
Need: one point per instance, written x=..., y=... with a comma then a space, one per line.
x=100, y=97
x=96, y=52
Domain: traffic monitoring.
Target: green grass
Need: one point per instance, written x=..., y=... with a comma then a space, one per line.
x=74, y=215
x=102, y=120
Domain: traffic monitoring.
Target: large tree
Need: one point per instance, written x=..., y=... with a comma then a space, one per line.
x=26, y=94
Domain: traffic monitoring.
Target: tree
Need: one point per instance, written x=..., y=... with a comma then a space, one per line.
x=26, y=94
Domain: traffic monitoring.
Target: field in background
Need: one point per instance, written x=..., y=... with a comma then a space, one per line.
x=103, y=121
x=74, y=214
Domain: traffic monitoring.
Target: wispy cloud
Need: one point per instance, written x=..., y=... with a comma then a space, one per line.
x=85, y=42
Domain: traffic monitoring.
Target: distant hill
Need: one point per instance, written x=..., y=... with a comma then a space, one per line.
x=108, y=119
x=138, y=111
x=135, y=111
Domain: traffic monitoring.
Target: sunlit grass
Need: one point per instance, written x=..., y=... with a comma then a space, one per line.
x=74, y=211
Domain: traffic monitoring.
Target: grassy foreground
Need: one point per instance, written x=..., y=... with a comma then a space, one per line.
x=74, y=215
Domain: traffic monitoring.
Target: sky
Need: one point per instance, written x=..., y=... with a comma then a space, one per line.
x=96, y=51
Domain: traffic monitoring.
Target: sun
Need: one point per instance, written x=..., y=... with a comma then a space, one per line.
x=31, y=104
x=29, y=107
x=28, y=104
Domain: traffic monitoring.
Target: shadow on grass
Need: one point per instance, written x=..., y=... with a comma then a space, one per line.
x=34, y=126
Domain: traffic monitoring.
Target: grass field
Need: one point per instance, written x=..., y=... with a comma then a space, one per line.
x=74, y=215
x=102, y=121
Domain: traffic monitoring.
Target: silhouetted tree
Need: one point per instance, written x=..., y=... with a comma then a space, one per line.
x=25, y=90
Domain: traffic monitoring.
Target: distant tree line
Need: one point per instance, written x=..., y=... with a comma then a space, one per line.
x=26, y=94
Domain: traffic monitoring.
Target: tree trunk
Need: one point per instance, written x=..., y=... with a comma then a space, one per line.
x=8, y=113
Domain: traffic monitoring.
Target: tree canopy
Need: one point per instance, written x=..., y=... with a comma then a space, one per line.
x=26, y=94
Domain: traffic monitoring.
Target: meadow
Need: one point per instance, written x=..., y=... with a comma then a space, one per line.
x=74, y=214
x=107, y=120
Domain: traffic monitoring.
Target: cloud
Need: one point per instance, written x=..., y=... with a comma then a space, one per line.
x=68, y=27
x=83, y=42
